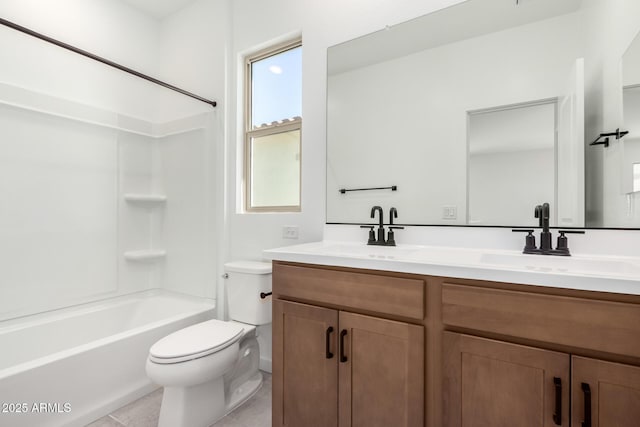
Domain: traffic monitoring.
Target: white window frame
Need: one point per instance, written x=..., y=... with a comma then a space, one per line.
x=285, y=125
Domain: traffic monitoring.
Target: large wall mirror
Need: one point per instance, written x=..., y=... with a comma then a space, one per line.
x=477, y=121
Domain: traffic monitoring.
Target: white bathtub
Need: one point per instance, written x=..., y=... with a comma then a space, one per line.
x=72, y=366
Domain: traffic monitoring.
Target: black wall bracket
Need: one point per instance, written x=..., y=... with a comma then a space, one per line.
x=600, y=141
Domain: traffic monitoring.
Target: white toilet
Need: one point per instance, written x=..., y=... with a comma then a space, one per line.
x=210, y=368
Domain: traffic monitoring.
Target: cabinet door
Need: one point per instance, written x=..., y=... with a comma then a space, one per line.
x=605, y=394
x=497, y=384
x=305, y=370
x=381, y=372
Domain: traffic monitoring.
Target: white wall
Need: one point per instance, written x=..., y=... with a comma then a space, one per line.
x=193, y=49
x=105, y=28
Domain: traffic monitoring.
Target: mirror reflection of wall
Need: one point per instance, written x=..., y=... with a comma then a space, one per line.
x=398, y=102
x=512, y=163
x=631, y=156
x=630, y=173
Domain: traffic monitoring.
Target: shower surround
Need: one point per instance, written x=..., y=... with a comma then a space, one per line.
x=108, y=207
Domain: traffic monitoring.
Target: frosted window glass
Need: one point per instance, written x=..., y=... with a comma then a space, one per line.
x=275, y=170
x=636, y=177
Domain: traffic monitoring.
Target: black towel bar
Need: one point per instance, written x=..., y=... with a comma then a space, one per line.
x=392, y=188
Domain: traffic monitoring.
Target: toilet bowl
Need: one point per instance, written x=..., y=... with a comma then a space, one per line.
x=210, y=368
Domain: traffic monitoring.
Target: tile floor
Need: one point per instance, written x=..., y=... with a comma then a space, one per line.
x=144, y=412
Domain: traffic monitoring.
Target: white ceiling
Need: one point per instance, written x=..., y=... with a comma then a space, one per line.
x=159, y=8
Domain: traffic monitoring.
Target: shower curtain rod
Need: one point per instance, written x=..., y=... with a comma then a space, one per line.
x=103, y=60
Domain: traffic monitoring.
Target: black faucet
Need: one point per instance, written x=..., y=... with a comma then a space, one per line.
x=391, y=239
x=542, y=213
x=380, y=240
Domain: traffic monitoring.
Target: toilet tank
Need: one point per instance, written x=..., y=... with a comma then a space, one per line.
x=245, y=281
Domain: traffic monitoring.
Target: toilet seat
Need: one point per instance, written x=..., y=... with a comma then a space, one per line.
x=195, y=341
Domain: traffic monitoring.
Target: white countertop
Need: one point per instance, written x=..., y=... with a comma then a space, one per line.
x=617, y=274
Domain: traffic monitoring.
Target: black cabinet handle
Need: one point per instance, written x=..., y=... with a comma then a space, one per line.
x=587, y=405
x=328, y=353
x=343, y=358
x=557, y=415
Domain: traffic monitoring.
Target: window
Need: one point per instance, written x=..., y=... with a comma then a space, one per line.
x=273, y=126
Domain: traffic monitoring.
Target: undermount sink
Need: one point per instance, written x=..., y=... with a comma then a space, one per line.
x=403, y=253
x=544, y=263
x=366, y=251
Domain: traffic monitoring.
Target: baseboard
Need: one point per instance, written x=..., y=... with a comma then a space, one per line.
x=265, y=365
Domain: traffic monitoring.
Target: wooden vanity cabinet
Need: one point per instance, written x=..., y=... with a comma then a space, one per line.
x=604, y=393
x=305, y=372
x=380, y=371
x=498, y=384
x=370, y=348
x=494, y=383
x=334, y=367
x=489, y=382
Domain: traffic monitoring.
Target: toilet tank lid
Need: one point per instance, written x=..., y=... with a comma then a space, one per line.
x=251, y=267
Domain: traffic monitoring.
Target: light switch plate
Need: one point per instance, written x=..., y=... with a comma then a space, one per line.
x=449, y=212
x=290, y=232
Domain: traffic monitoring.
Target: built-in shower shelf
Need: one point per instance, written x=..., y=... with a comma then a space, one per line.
x=145, y=255
x=145, y=198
